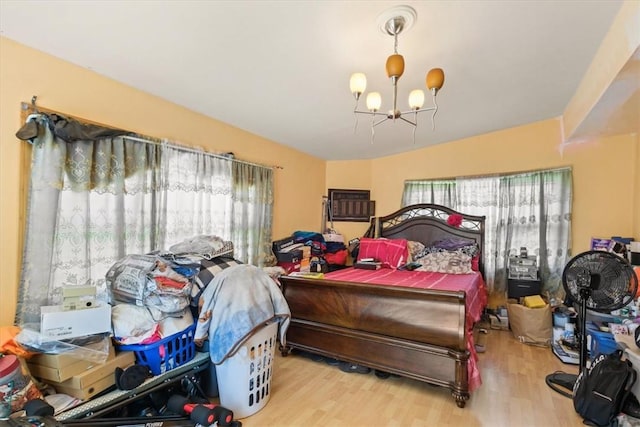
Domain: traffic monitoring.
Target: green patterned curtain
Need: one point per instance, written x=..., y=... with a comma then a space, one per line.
x=97, y=194
x=252, y=212
x=531, y=210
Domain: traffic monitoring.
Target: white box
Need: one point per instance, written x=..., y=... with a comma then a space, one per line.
x=500, y=323
x=57, y=323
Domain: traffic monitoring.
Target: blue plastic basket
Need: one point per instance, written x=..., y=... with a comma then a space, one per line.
x=166, y=354
x=601, y=342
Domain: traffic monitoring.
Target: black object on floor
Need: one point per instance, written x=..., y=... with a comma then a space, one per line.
x=353, y=367
x=131, y=377
x=331, y=361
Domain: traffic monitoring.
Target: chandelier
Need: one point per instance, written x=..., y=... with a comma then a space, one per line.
x=393, y=22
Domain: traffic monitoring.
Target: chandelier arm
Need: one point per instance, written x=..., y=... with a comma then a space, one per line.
x=371, y=113
x=381, y=121
x=419, y=111
x=414, y=124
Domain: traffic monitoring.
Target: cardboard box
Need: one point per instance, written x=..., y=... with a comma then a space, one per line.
x=57, y=323
x=66, y=359
x=293, y=256
x=48, y=373
x=61, y=367
x=89, y=392
x=95, y=380
x=279, y=245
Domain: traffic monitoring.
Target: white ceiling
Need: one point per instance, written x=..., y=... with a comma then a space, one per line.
x=280, y=69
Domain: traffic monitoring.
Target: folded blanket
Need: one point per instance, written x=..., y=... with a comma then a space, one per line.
x=239, y=300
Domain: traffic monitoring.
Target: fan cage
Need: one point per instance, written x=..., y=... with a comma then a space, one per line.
x=606, y=280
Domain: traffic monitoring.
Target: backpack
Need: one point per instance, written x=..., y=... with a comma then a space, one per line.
x=601, y=390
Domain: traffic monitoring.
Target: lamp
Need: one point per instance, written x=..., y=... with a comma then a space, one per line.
x=393, y=22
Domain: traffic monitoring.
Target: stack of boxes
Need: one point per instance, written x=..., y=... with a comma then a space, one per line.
x=72, y=372
x=292, y=256
x=76, y=377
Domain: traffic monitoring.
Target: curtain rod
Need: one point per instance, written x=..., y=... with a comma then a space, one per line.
x=141, y=138
x=198, y=151
x=491, y=175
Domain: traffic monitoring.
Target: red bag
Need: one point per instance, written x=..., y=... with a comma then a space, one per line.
x=337, y=258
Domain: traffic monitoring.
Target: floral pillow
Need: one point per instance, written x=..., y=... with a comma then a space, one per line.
x=471, y=248
x=445, y=262
x=415, y=248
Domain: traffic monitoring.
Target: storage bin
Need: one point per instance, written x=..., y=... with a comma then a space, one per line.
x=166, y=354
x=244, y=378
x=601, y=342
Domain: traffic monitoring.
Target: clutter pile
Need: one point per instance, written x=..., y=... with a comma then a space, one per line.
x=140, y=325
x=308, y=251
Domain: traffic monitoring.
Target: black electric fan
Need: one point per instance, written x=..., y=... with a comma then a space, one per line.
x=599, y=281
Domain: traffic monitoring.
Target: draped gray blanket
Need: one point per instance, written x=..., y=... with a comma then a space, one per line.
x=238, y=301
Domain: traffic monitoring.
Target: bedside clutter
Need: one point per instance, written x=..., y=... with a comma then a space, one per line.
x=522, y=277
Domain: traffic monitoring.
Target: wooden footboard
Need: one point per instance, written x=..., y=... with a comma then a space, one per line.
x=417, y=333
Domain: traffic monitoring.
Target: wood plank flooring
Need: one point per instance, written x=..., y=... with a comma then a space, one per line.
x=308, y=393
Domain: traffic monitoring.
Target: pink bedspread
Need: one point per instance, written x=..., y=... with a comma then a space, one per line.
x=472, y=284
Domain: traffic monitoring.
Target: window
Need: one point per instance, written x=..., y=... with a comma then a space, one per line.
x=531, y=210
x=94, y=200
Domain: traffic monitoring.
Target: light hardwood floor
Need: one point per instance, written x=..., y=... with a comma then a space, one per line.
x=308, y=393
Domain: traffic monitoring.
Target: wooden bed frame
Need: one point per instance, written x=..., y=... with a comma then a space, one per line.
x=416, y=333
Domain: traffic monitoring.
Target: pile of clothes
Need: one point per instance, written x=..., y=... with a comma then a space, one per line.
x=161, y=293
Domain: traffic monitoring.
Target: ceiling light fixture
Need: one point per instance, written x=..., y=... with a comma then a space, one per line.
x=393, y=22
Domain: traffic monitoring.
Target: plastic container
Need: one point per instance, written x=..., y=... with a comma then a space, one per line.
x=166, y=354
x=16, y=388
x=244, y=378
x=601, y=342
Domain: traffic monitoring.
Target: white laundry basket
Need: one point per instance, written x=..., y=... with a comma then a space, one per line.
x=244, y=379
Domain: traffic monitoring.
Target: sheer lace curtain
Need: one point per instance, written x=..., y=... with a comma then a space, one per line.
x=194, y=196
x=88, y=206
x=531, y=210
x=252, y=212
x=91, y=202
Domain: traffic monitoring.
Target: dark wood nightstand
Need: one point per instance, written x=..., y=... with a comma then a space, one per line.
x=517, y=288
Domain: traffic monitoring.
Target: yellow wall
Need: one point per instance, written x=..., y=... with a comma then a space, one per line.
x=604, y=171
x=636, y=187
x=70, y=89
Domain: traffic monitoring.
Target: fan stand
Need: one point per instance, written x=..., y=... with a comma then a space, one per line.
x=562, y=379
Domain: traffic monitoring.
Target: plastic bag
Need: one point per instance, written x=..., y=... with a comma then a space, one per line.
x=91, y=347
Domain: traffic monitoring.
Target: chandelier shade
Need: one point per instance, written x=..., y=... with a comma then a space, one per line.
x=416, y=99
x=395, y=66
x=392, y=22
x=374, y=101
x=358, y=84
x=435, y=79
